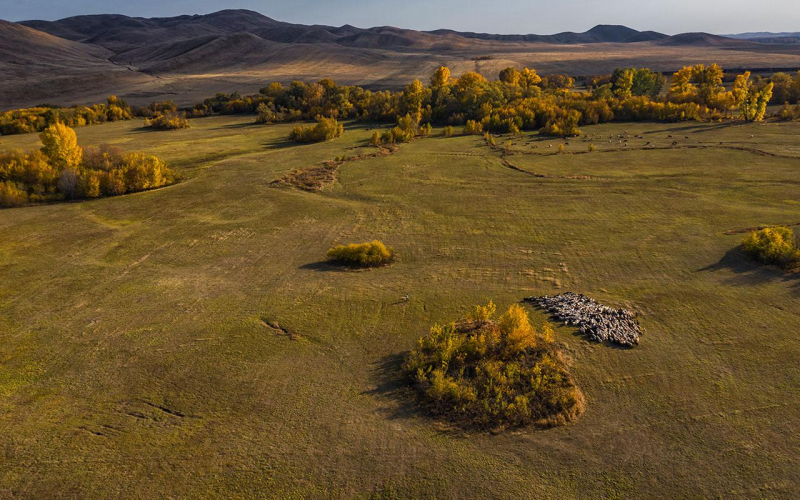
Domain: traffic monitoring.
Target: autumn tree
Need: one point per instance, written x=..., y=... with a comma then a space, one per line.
x=60, y=146
x=622, y=83
x=529, y=78
x=510, y=76
x=413, y=96
x=441, y=77
x=709, y=82
x=681, y=83
x=470, y=79
x=751, y=99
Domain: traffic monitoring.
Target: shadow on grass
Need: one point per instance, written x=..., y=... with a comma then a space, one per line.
x=283, y=144
x=750, y=272
x=400, y=400
x=325, y=266
x=251, y=124
x=695, y=127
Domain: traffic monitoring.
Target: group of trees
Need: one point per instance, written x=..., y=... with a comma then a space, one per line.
x=519, y=100
x=488, y=372
x=163, y=116
x=24, y=121
x=786, y=88
x=62, y=170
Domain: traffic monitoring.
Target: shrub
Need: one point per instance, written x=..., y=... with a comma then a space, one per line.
x=773, y=245
x=492, y=372
x=12, y=194
x=406, y=130
x=167, y=121
x=448, y=131
x=473, y=128
x=371, y=254
x=325, y=129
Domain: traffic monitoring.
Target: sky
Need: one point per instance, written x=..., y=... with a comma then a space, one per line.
x=504, y=16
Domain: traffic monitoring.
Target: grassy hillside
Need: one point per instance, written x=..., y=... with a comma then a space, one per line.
x=137, y=356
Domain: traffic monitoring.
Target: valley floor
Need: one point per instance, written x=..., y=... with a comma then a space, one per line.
x=136, y=358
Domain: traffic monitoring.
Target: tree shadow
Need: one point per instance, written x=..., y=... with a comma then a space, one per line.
x=750, y=272
x=325, y=266
x=692, y=128
x=282, y=144
x=399, y=400
x=252, y=124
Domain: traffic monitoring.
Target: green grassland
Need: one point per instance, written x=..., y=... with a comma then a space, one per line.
x=137, y=360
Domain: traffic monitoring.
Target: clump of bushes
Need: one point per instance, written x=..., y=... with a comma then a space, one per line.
x=326, y=129
x=473, y=128
x=773, y=245
x=489, y=372
x=407, y=129
x=169, y=120
x=62, y=170
x=372, y=254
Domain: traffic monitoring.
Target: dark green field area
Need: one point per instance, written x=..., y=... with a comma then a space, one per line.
x=136, y=360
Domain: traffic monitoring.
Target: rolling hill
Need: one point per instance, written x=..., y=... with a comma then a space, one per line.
x=185, y=58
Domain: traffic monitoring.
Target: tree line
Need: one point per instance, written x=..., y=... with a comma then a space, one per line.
x=518, y=100
x=159, y=116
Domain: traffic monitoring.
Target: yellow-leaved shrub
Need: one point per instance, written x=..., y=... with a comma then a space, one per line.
x=487, y=372
x=773, y=245
x=371, y=254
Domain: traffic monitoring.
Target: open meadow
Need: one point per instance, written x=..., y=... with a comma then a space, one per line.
x=139, y=355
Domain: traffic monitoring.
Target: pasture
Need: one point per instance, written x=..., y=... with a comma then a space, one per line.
x=138, y=352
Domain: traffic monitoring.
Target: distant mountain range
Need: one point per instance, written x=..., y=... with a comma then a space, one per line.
x=767, y=37
x=122, y=34
x=79, y=59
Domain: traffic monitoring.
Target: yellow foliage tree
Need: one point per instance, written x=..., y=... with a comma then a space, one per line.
x=529, y=78
x=510, y=76
x=681, y=83
x=441, y=77
x=751, y=100
x=60, y=145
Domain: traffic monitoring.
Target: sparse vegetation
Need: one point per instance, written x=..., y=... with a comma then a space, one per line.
x=773, y=245
x=372, y=254
x=326, y=129
x=489, y=372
